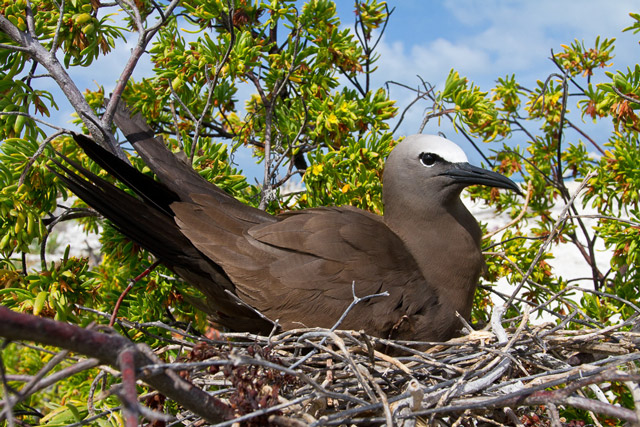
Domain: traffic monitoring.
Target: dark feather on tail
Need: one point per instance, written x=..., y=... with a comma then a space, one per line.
x=149, y=220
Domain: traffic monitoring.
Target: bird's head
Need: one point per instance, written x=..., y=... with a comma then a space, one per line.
x=431, y=170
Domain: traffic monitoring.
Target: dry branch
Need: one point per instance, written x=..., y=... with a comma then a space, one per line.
x=482, y=376
x=108, y=348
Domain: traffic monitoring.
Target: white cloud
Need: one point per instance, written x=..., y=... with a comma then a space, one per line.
x=519, y=34
x=491, y=39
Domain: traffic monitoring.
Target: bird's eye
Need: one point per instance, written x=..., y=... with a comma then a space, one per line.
x=428, y=159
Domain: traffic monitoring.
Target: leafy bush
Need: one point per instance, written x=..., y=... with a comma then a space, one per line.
x=300, y=120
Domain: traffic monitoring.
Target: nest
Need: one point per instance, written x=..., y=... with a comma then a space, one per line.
x=525, y=375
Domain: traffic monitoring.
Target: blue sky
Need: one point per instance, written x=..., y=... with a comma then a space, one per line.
x=490, y=39
x=483, y=40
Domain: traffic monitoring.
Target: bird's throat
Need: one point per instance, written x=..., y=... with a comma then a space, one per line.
x=446, y=247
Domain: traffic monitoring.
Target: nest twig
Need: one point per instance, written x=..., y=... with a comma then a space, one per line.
x=322, y=377
x=478, y=375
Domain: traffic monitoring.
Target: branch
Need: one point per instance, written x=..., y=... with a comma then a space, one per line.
x=561, y=219
x=581, y=132
x=420, y=95
x=56, y=35
x=13, y=47
x=127, y=393
x=59, y=375
x=31, y=27
x=49, y=61
x=107, y=348
x=211, y=84
x=143, y=40
x=7, y=409
x=563, y=112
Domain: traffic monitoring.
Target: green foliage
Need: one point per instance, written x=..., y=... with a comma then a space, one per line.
x=16, y=98
x=311, y=112
x=63, y=405
x=474, y=110
x=23, y=205
x=350, y=175
x=578, y=60
x=54, y=291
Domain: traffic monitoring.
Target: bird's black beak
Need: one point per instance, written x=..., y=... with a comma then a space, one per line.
x=464, y=173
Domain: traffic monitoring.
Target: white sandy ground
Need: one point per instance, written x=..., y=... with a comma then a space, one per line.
x=568, y=262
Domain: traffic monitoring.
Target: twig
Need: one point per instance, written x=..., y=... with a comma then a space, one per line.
x=552, y=234
x=124, y=293
x=7, y=407
x=56, y=36
x=38, y=152
x=381, y=394
x=356, y=300
x=517, y=219
x=261, y=412
x=625, y=97
x=609, y=218
x=419, y=95
x=634, y=389
x=92, y=389
x=237, y=360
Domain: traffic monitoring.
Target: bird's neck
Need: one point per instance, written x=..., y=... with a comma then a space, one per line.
x=444, y=239
x=417, y=224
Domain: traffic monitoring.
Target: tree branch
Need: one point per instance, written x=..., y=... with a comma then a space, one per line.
x=48, y=60
x=143, y=40
x=107, y=348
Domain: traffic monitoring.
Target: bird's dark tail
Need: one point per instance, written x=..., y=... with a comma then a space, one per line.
x=174, y=172
x=149, y=221
x=144, y=186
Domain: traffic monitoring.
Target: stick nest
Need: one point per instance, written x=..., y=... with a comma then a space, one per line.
x=526, y=375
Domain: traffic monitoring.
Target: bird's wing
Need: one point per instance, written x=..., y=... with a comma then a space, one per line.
x=300, y=269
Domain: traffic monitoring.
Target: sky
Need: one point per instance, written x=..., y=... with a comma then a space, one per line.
x=490, y=39
x=482, y=40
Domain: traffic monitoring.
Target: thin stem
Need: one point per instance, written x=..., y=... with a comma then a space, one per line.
x=144, y=38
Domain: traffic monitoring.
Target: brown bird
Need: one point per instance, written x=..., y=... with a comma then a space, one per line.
x=299, y=267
